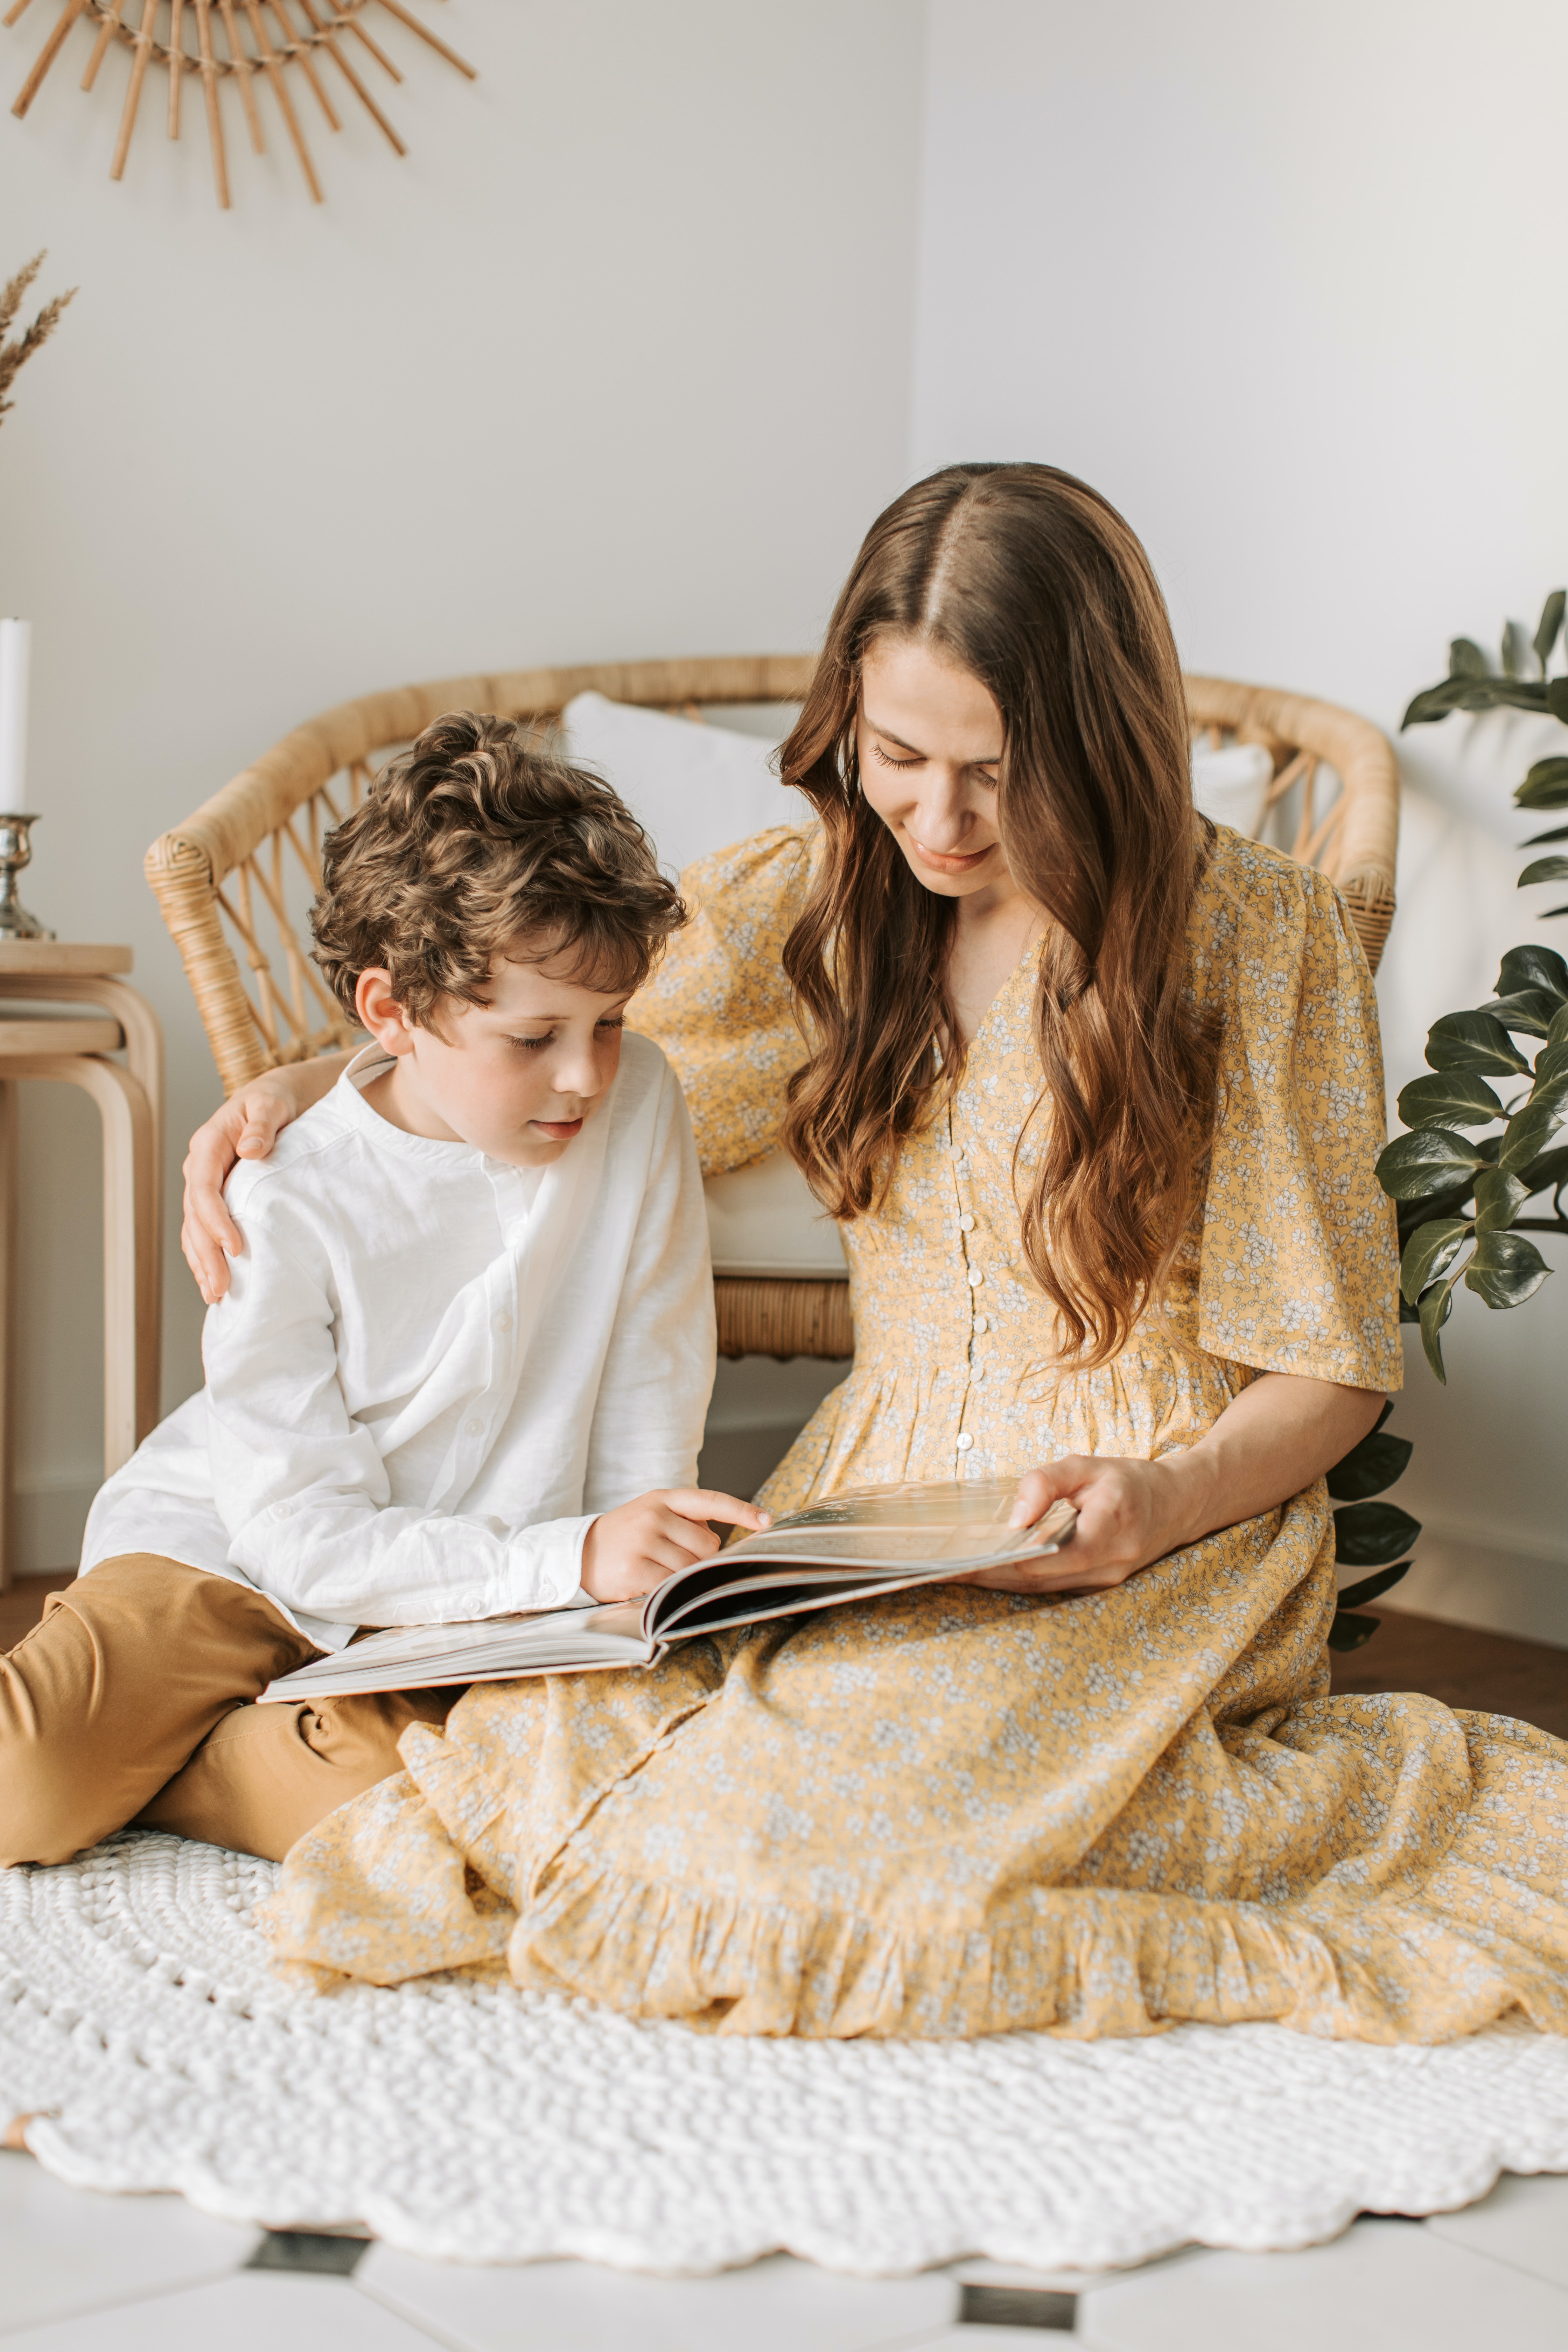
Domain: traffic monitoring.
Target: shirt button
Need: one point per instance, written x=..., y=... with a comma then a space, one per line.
x=981, y=1324
x=964, y=1440
x=503, y=1322
x=475, y=1428
x=282, y=1510
x=975, y=1277
x=966, y=1223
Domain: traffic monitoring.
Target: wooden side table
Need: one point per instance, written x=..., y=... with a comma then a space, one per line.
x=74, y=1049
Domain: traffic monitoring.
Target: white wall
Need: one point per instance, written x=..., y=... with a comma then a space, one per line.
x=616, y=362
x=1280, y=281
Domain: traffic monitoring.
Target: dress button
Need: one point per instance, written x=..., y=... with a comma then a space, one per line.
x=976, y=1277
x=964, y=1440
x=956, y=1150
x=981, y=1324
x=474, y=1428
x=978, y=1374
x=966, y=1223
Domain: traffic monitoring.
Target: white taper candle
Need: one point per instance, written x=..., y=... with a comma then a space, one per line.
x=16, y=651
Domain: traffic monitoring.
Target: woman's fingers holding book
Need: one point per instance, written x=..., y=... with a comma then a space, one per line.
x=1123, y=1519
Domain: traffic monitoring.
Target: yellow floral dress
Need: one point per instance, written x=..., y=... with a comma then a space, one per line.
x=959, y=1812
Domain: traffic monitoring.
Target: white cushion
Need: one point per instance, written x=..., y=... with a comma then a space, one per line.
x=694, y=788
x=765, y=1220
x=1231, y=786
x=697, y=789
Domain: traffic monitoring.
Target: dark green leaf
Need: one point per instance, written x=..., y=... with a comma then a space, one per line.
x=1546, y=786
x=1356, y=1596
x=1431, y=1251
x=1350, y=1633
x=1465, y=659
x=1558, y=1033
x=1546, y=1173
x=1527, y=1132
x=1437, y=1305
x=1382, y=1417
x=1515, y=646
x=1366, y=1535
x=1528, y=1013
x=1369, y=1467
x=1498, y=1200
x=1551, y=1062
x=1554, y=833
x=1557, y=698
x=1477, y=694
x=1448, y=1098
x=1544, y=869
x=1506, y=1269
x=1474, y=1041
x=1553, y=910
x=1550, y=622
x=1448, y=1200
x=1413, y=1166
x=1533, y=968
x=1432, y=703
x=1550, y=1092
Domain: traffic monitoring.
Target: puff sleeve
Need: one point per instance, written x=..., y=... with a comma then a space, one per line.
x=720, y=1004
x=1300, y=1252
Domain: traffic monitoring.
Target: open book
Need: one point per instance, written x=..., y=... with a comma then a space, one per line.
x=853, y=1546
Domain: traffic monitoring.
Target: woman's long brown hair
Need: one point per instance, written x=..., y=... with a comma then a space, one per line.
x=1030, y=580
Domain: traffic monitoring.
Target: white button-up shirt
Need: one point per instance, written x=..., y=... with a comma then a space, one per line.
x=432, y=1369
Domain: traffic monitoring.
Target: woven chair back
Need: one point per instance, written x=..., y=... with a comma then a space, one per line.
x=236, y=880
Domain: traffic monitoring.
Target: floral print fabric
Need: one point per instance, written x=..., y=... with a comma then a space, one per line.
x=957, y=1812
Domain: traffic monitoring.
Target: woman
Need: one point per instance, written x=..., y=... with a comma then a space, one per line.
x=1095, y=1093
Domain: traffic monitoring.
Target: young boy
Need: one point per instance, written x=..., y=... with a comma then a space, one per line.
x=465, y=1355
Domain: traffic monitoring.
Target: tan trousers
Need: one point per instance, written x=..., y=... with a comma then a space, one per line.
x=127, y=1703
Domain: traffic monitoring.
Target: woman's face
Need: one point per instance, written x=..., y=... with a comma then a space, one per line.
x=930, y=738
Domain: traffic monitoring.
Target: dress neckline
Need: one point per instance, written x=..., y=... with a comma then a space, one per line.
x=1029, y=954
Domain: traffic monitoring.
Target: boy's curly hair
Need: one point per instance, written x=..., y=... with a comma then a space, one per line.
x=475, y=844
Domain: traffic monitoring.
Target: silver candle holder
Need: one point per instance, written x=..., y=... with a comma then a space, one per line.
x=15, y=852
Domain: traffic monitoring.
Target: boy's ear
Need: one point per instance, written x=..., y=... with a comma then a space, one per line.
x=380, y=1012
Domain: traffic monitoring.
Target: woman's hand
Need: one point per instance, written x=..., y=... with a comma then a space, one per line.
x=1126, y=1514
x=627, y=1552
x=246, y=1127
x=1283, y=1432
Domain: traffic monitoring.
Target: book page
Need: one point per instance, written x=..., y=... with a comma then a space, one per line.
x=487, y=1649
x=958, y=1523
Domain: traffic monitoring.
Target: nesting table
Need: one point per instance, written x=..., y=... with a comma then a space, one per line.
x=74, y=1048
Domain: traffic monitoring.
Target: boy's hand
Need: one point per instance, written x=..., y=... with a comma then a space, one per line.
x=627, y=1552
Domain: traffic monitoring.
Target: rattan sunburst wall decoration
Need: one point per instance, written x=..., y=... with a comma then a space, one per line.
x=206, y=38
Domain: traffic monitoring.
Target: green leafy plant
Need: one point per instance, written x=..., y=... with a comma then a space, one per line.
x=1460, y=1193
x=1368, y=1534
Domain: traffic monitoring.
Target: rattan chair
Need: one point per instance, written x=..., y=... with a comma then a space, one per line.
x=249, y=859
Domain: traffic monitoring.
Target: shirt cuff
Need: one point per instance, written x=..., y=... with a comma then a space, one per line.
x=548, y=1562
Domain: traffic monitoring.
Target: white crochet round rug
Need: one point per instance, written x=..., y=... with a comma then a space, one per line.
x=480, y=2123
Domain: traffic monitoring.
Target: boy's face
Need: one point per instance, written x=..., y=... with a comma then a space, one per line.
x=515, y=1077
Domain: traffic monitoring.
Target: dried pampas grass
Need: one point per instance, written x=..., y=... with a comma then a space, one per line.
x=14, y=355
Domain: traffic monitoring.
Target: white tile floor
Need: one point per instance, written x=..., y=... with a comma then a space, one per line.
x=81, y=2272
